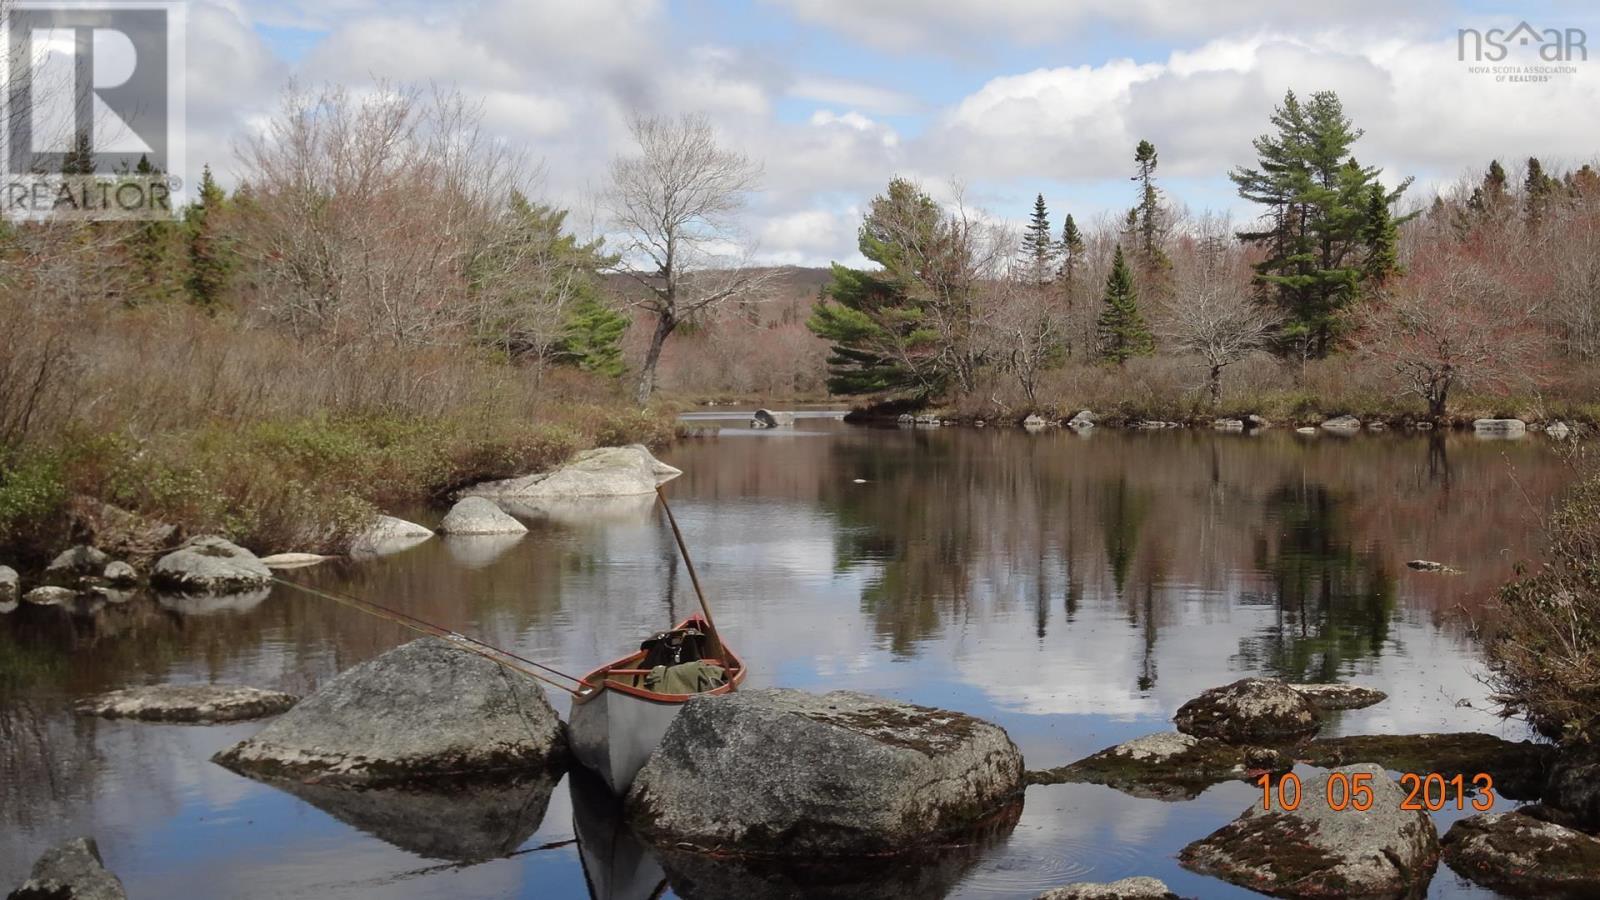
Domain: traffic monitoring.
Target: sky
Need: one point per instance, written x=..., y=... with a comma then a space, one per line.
x=1003, y=98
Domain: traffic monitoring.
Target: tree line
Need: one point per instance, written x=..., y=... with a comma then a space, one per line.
x=1441, y=297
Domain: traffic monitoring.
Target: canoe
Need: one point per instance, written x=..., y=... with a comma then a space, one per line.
x=616, y=722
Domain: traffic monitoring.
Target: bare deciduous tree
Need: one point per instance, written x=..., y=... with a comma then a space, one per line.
x=1450, y=325
x=676, y=203
x=1213, y=313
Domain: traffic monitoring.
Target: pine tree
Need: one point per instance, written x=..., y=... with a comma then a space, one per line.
x=80, y=159
x=1317, y=197
x=210, y=256
x=591, y=339
x=1123, y=332
x=1494, y=182
x=1147, y=217
x=1537, y=186
x=1038, y=247
x=1381, y=238
x=153, y=249
x=1071, y=249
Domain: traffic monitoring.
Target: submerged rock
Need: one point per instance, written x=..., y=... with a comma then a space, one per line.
x=293, y=560
x=479, y=516
x=1228, y=425
x=50, y=596
x=1166, y=766
x=1521, y=856
x=1250, y=711
x=425, y=709
x=1316, y=851
x=1428, y=565
x=1340, y=696
x=833, y=775
x=1519, y=769
x=455, y=821
x=1305, y=429
x=210, y=565
x=602, y=472
x=77, y=562
x=71, y=871
x=198, y=703
x=766, y=418
x=1139, y=888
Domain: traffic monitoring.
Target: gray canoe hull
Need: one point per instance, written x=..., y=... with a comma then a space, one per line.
x=613, y=734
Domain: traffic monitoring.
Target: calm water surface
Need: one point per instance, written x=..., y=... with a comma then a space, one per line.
x=1074, y=589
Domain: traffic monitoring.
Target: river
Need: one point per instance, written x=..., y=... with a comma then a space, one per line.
x=1075, y=589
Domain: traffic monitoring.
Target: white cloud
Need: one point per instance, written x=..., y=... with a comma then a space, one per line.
x=854, y=95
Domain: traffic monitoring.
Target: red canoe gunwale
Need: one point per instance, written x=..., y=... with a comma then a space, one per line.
x=595, y=683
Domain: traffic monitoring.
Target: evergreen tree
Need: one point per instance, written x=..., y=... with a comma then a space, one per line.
x=1123, y=331
x=80, y=159
x=153, y=249
x=1494, y=182
x=1317, y=197
x=1381, y=238
x=1146, y=219
x=1071, y=249
x=591, y=339
x=907, y=327
x=1038, y=246
x=210, y=256
x=1537, y=188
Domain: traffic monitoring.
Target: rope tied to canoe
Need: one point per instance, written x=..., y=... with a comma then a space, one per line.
x=497, y=655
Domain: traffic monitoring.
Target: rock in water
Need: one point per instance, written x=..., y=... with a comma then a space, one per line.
x=76, y=563
x=1084, y=419
x=1520, y=769
x=479, y=515
x=120, y=574
x=766, y=418
x=1508, y=428
x=49, y=596
x=201, y=703
x=1342, y=425
x=603, y=472
x=293, y=560
x=424, y=709
x=1340, y=696
x=1165, y=766
x=1559, y=431
x=72, y=871
x=10, y=585
x=1228, y=425
x=1523, y=856
x=210, y=565
x=1250, y=711
x=791, y=774
x=1574, y=788
x=388, y=535
x=1142, y=888
x=1316, y=851
x=1035, y=422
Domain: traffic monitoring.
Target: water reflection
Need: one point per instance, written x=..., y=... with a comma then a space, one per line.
x=1075, y=590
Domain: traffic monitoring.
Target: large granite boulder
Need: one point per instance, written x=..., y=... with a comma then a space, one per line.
x=120, y=574
x=72, y=871
x=10, y=585
x=1519, y=768
x=1522, y=856
x=1342, y=425
x=1166, y=766
x=792, y=774
x=198, y=703
x=766, y=418
x=1250, y=711
x=1317, y=851
x=1140, y=888
x=602, y=472
x=49, y=595
x=479, y=516
x=210, y=565
x=1501, y=428
x=1083, y=420
x=77, y=562
x=425, y=709
x=388, y=534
